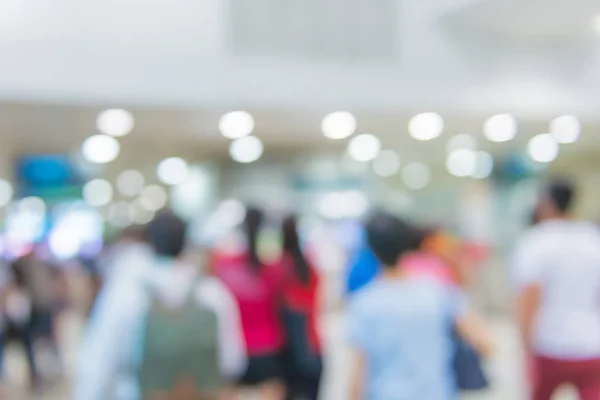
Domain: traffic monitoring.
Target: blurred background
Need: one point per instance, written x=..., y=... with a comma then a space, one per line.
x=450, y=112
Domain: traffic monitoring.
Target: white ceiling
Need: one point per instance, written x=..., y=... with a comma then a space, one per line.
x=457, y=57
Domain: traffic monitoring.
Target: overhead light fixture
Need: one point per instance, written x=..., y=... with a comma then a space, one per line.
x=100, y=149
x=97, y=192
x=338, y=125
x=130, y=183
x=387, y=163
x=543, y=148
x=364, y=147
x=426, y=126
x=246, y=149
x=500, y=128
x=115, y=122
x=172, y=171
x=565, y=129
x=461, y=163
x=416, y=176
x=236, y=124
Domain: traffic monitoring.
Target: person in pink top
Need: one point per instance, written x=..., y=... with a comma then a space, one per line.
x=255, y=288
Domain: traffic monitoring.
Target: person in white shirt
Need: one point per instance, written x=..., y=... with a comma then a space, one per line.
x=556, y=270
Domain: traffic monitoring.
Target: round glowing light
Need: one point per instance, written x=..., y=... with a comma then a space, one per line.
x=141, y=215
x=246, y=149
x=153, y=198
x=426, y=126
x=100, y=149
x=500, y=128
x=387, y=163
x=462, y=141
x=6, y=192
x=543, y=148
x=121, y=214
x=33, y=204
x=338, y=125
x=236, y=124
x=115, y=122
x=364, y=147
x=231, y=213
x=355, y=203
x=416, y=176
x=172, y=171
x=461, y=163
x=565, y=129
x=97, y=192
x=484, y=165
x=130, y=183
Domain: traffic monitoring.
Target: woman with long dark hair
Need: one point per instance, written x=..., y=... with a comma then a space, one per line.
x=299, y=301
x=255, y=290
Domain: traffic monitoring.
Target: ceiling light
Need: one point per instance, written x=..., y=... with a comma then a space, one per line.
x=426, y=126
x=153, y=198
x=416, y=176
x=338, y=125
x=461, y=163
x=236, y=124
x=6, y=192
x=364, y=147
x=565, y=129
x=500, y=128
x=246, y=149
x=543, y=148
x=97, y=192
x=115, y=122
x=462, y=141
x=387, y=163
x=100, y=149
x=172, y=171
x=130, y=183
x=484, y=165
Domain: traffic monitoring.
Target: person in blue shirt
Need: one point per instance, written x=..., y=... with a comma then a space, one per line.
x=400, y=325
x=363, y=269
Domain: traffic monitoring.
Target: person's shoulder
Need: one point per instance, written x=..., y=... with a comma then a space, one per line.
x=365, y=296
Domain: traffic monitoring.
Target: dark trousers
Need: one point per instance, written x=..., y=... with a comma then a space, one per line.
x=302, y=384
x=551, y=373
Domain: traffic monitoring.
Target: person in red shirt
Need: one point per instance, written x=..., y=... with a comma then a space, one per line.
x=299, y=301
x=254, y=287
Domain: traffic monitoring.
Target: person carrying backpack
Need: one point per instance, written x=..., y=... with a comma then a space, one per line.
x=161, y=331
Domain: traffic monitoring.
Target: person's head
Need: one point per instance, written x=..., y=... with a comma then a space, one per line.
x=556, y=201
x=291, y=247
x=252, y=225
x=166, y=234
x=389, y=238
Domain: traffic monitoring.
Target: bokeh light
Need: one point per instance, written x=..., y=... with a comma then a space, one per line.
x=338, y=125
x=500, y=128
x=236, y=124
x=462, y=141
x=565, y=129
x=484, y=165
x=461, y=162
x=153, y=198
x=543, y=148
x=100, y=149
x=97, y=192
x=387, y=163
x=246, y=149
x=121, y=214
x=426, y=126
x=130, y=183
x=6, y=192
x=115, y=122
x=172, y=171
x=416, y=176
x=364, y=147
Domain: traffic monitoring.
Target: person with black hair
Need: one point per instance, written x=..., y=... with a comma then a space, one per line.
x=400, y=326
x=299, y=293
x=255, y=287
x=160, y=328
x=556, y=271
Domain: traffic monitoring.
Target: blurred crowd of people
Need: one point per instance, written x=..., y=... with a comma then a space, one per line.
x=220, y=322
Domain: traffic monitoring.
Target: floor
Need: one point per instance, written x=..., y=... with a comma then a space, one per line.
x=504, y=368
